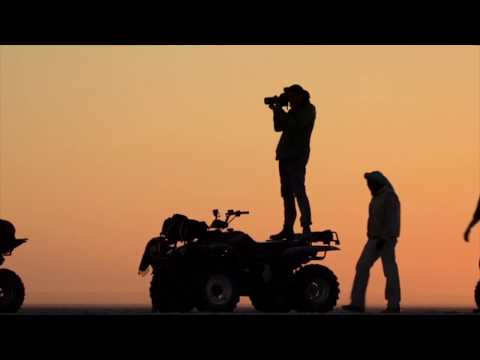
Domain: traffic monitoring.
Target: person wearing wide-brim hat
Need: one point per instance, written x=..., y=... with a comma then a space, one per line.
x=292, y=153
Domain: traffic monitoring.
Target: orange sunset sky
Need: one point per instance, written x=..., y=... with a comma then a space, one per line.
x=99, y=144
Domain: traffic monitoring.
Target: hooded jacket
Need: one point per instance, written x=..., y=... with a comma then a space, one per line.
x=384, y=209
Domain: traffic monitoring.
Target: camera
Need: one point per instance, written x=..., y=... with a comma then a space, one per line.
x=281, y=100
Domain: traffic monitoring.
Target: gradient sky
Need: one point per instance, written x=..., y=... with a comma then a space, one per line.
x=99, y=144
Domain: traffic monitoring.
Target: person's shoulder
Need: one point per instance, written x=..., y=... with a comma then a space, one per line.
x=391, y=195
x=308, y=110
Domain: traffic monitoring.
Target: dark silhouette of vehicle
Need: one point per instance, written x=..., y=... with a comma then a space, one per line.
x=12, y=290
x=210, y=267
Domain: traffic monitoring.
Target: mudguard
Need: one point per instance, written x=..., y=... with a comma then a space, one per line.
x=298, y=255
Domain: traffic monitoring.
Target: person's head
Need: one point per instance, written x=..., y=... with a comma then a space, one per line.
x=376, y=181
x=297, y=96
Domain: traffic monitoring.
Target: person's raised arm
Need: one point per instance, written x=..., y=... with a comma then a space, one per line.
x=280, y=118
x=475, y=220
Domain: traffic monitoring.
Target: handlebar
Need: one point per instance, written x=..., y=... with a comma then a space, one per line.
x=237, y=213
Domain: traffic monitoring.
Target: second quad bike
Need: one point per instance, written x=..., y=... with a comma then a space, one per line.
x=12, y=290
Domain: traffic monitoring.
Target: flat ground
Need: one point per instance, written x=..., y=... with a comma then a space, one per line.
x=241, y=310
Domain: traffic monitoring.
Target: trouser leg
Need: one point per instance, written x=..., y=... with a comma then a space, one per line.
x=390, y=270
x=368, y=257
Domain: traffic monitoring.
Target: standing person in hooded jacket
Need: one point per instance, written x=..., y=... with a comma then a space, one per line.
x=383, y=231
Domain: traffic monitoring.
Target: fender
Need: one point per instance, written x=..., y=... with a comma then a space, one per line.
x=298, y=255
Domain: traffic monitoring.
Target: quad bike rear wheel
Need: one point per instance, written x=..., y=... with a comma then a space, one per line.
x=316, y=289
x=12, y=291
x=218, y=292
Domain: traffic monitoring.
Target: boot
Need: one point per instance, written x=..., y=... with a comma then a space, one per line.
x=306, y=234
x=391, y=310
x=285, y=234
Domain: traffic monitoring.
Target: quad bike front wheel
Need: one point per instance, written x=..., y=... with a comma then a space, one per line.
x=316, y=289
x=218, y=292
x=12, y=291
x=477, y=295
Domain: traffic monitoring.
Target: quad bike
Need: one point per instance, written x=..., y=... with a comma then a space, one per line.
x=12, y=290
x=210, y=267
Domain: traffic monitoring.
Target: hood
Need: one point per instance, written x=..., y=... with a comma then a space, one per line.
x=378, y=178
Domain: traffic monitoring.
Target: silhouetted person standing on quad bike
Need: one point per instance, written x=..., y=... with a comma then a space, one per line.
x=292, y=153
x=383, y=231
